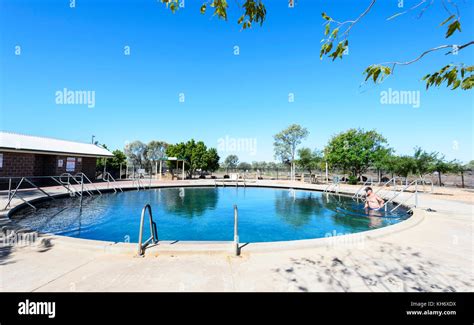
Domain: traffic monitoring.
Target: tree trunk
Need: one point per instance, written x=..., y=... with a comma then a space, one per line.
x=439, y=178
x=462, y=179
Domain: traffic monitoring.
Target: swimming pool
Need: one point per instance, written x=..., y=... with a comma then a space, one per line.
x=206, y=214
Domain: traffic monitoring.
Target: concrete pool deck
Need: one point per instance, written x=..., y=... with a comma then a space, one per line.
x=432, y=251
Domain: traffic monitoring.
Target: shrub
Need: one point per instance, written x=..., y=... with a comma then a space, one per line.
x=352, y=180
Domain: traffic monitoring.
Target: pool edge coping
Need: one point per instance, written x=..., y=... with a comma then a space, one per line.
x=222, y=247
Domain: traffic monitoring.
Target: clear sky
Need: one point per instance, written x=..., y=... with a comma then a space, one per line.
x=242, y=97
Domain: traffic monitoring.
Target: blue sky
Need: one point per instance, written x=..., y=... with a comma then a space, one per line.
x=241, y=96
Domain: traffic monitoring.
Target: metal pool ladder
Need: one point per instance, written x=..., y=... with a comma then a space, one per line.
x=153, y=231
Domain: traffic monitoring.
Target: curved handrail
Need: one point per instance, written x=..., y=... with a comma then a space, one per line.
x=391, y=180
x=110, y=177
x=402, y=190
x=70, y=176
x=363, y=185
x=87, y=179
x=153, y=231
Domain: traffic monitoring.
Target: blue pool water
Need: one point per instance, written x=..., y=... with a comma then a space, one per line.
x=206, y=214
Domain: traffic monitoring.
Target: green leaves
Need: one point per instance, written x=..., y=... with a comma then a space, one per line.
x=220, y=8
x=355, y=150
x=454, y=76
x=325, y=16
x=452, y=27
x=447, y=19
x=173, y=5
x=254, y=11
x=377, y=73
x=309, y=160
x=196, y=154
x=328, y=46
x=455, y=25
x=286, y=141
x=327, y=29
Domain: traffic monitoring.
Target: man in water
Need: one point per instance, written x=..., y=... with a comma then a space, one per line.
x=372, y=200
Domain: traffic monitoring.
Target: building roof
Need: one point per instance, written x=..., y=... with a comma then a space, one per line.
x=14, y=142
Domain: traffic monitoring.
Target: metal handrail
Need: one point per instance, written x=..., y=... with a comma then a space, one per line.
x=81, y=183
x=109, y=176
x=153, y=231
x=138, y=183
x=113, y=179
x=58, y=179
x=84, y=176
x=328, y=188
x=430, y=182
x=71, y=192
x=16, y=194
x=363, y=185
x=236, y=231
x=402, y=190
x=415, y=182
x=391, y=180
x=409, y=197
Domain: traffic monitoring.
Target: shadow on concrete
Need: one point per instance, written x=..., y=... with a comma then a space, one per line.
x=13, y=239
x=386, y=268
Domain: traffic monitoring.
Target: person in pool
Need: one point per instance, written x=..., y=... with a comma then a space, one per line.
x=372, y=200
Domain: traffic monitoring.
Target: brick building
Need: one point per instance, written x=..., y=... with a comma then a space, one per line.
x=25, y=155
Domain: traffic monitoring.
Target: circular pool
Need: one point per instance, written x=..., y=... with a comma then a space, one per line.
x=206, y=214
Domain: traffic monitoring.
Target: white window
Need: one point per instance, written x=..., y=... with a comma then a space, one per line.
x=70, y=164
x=60, y=163
x=1, y=160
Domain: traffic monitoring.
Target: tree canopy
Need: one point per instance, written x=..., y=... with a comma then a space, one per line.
x=309, y=160
x=196, y=155
x=286, y=142
x=156, y=150
x=355, y=150
x=231, y=162
x=136, y=153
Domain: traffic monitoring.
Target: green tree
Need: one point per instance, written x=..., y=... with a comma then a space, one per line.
x=309, y=160
x=196, y=156
x=424, y=161
x=440, y=166
x=112, y=164
x=212, y=160
x=231, y=163
x=286, y=142
x=101, y=162
x=355, y=150
x=244, y=166
x=118, y=159
x=156, y=150
x=403, y=166
x=457, y=167
x=382, y=161
x=470, y=165
x=136, y=153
